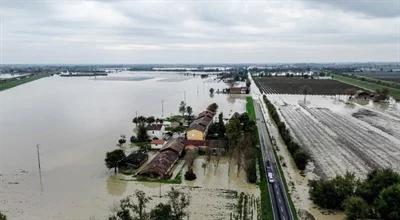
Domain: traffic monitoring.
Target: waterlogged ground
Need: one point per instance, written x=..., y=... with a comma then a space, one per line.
x=75, y=121
x=318, y=110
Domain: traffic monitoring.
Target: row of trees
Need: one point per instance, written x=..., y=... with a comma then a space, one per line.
x=378, y=196
x=149, y=120
x=183, y=108
x=134, y=207
x=300, y=156
x=217, y=129
x=241, y=133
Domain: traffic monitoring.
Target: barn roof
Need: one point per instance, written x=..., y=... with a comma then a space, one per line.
x=161, y=164
x=154, y=127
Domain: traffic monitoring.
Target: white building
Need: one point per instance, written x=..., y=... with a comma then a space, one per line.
x=157, y=144
x=155, y=131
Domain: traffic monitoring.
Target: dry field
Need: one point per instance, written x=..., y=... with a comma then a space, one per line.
x=296, y=85
x=339, y=143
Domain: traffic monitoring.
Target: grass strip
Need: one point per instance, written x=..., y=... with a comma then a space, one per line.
x=10, y=83
x=176, y=180
x=371, y=86
x=266, y=206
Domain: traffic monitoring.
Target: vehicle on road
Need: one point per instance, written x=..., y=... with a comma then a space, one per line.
x=270, y=177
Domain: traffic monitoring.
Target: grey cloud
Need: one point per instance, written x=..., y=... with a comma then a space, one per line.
x=202, y=31
x=375, y=8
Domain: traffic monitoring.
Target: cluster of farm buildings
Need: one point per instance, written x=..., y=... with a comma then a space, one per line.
x=172, y=149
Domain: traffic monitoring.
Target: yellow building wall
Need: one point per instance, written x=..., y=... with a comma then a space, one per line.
x=195, y=135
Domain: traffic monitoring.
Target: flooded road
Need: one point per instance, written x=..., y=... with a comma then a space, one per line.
x=75, y=121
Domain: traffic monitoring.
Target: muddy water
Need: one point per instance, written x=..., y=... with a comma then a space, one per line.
x=75, y=121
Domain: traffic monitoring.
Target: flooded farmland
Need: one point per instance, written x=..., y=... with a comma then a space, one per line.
x=316, y=121
x=75, y=121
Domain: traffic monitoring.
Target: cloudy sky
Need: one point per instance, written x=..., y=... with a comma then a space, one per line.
x=217, y=31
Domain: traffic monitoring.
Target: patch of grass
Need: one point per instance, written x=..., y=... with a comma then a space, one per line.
x=292, y=207
x=250, y=108
x=176, y=180
x=371, y=86
x=266, y=206
x=7, y=84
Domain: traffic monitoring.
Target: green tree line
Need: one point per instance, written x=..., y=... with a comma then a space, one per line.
x=300, y=156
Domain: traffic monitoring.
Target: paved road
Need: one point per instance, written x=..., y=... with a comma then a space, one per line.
x=279, y=200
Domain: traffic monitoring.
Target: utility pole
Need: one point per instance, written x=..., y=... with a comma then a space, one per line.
x=40, y=169
x=162, y=108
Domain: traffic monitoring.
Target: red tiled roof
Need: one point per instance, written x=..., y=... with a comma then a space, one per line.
x=194, y=142
x=158, y=141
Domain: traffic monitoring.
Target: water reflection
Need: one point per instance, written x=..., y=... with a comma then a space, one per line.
x=115, y=186
x=76, y=124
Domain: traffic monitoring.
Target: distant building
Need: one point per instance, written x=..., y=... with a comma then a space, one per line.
x=161, y=165
x=157, y=144
x=239, y=90
x=155, y=131
x=199, y=127
x=363, y=95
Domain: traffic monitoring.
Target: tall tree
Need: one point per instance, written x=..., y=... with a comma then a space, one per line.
x=233, y=131
x=355, y=208
x=376, y=181
x=150, y=120
x=113, y=157
x=142, y=133
x=182, y=107
x=388, y=203
x=211, y=91
x=161, y=212
x=178, y=202
x=221, y=125
x=140, y=207
x=2, y=216
x=189, y=110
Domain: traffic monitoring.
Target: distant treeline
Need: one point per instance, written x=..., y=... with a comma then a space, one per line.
x=300, y=156
x=372, y=80
x=173, y=70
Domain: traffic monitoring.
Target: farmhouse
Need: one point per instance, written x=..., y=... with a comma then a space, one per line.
x=133, y=160
x=161, y=165
x=157, y=144
x=360, y=94
x=155, y=131
x=198, y=128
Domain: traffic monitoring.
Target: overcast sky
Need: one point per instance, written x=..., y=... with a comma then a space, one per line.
x=131, y=32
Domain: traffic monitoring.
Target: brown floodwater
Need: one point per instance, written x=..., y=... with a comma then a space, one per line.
x=76, y=121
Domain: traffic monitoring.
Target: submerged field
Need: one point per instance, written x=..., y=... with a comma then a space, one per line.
x=77, y=120
x=298, y=85
x=342, y=137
